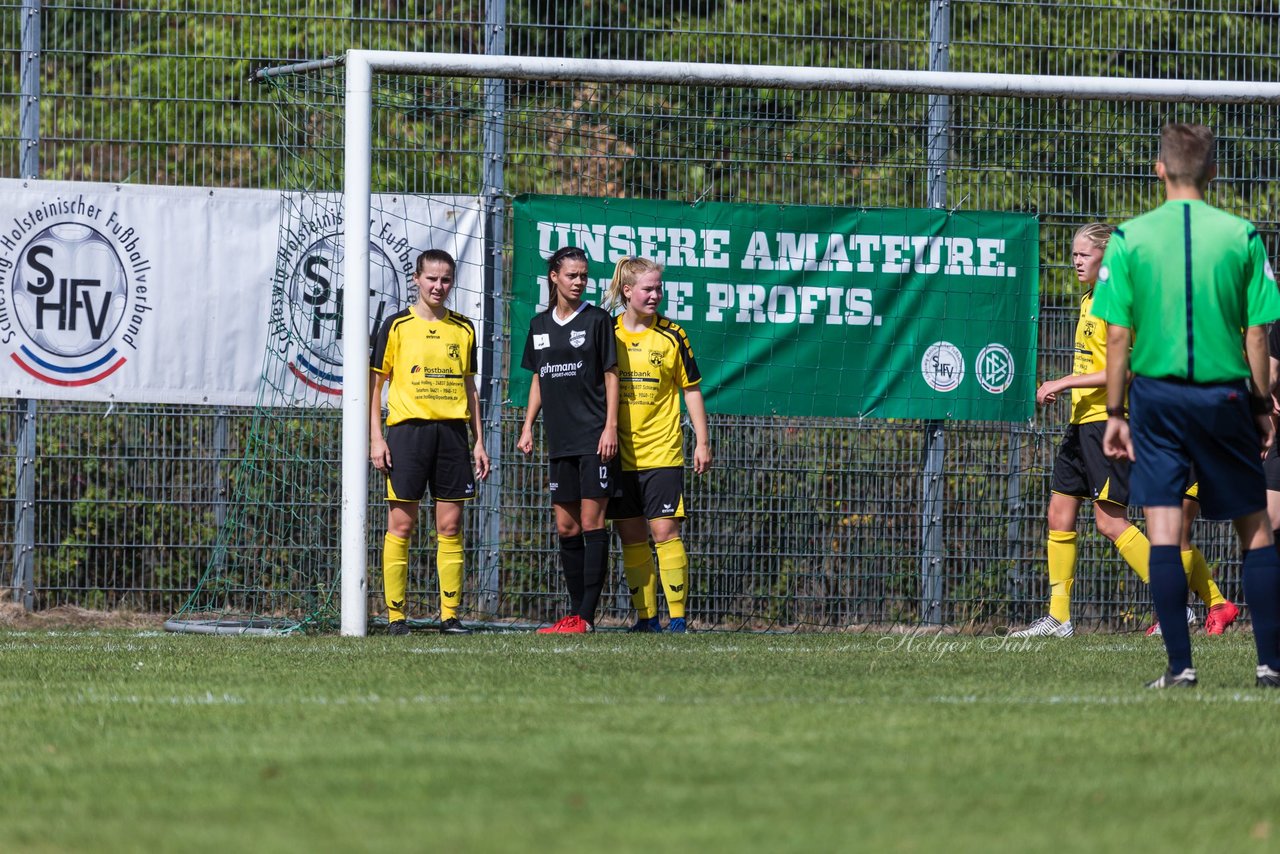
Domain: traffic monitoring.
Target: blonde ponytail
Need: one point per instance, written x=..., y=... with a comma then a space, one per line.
x=1097, y=233
x=628, y=269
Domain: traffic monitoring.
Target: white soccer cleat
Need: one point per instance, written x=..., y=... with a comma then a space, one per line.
x=1185, y=679
x=1046, y=627
x=1154, y=631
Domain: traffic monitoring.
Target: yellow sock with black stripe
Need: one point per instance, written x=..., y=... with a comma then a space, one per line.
x=449, y=568
x=673, y=566
x=395, y=574
x=1135, y=548
x=1062, y=573
x=642, y=579
x=1199, y=579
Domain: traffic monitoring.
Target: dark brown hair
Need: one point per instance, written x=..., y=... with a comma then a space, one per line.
x=435, y=255
x=557, y=259
x=1187, y=154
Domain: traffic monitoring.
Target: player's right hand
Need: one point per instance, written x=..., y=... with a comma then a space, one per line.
x=380, y=455
x=1116, y=443
x=1047, y=393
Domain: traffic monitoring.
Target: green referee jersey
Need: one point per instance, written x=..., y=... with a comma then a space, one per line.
x=1188, y=279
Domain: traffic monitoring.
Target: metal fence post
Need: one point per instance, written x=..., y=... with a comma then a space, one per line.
x=939, y=139
x=1015, y=501
x=221, y=499
x=24, y=545
x=493, y=194
x=29, y=131
x=24, y=541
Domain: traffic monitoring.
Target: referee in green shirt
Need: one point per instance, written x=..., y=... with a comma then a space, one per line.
x=1189, y=288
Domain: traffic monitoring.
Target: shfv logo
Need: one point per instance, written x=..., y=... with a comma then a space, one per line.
x=313, y=293
x=76, y=291
x=942, y=366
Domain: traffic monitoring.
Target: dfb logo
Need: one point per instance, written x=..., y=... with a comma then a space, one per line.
x=994, y=368
x=76, y=302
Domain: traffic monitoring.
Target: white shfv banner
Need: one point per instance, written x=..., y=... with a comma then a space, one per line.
x=201, y=296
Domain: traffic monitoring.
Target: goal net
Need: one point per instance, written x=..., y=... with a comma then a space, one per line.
x=871, y=270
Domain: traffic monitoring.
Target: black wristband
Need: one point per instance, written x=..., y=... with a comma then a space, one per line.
x=1115, y=413
x=1259, y=405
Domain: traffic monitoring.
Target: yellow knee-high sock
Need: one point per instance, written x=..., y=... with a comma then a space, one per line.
x=642, y=580
x=1062, y=573
x=395, y=574
x=1135, y=548
x=449, y=568
x=673, y=566
x=1199, y=579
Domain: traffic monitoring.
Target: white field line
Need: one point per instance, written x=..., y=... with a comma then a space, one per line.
x=1140, y=696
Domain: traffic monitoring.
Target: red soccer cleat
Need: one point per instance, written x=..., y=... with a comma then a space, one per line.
x=570, y=625
x=1219, y=617
x=557, y=626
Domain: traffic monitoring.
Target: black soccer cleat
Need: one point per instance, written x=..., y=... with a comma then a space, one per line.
x=1268, y=677
x=453, y=626
x=398, y=628
x=1185, y=679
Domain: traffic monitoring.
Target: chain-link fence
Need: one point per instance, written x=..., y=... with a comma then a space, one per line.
x=810, y=522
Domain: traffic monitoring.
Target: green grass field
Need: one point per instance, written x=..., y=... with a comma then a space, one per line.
x=128, y=741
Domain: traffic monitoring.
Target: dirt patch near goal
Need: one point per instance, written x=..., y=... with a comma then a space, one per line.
x=71, y=617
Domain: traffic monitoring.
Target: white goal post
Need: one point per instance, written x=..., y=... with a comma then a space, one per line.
x=361, y=65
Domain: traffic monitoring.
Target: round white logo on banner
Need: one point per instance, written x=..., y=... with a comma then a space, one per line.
x=994, y=368
x=73, y=295
x=942, y=366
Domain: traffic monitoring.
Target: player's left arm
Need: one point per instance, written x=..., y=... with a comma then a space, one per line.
x=1115, y=441
x=473, y=410
x=608, y=445
x=1255, y=349
x=701, y=434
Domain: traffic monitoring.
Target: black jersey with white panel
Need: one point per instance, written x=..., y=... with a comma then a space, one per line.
x=570, y=358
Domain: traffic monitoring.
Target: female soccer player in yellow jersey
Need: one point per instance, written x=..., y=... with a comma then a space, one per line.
x=655, y=363
x=428, y=355
x=1082, y=472
x=573, y=355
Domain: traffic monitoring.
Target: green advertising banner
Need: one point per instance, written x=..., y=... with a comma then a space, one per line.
x=812, y=311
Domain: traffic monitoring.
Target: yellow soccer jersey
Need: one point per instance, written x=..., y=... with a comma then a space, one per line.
x=427, y=363
x=653, y=367
x=1089, y=404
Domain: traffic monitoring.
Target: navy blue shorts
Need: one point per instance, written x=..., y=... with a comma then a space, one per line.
x=1176, y=425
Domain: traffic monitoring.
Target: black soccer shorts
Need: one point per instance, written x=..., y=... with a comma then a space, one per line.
x=652, y=493
x=582, y=476
x=1082, y=470
x=433, y=454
